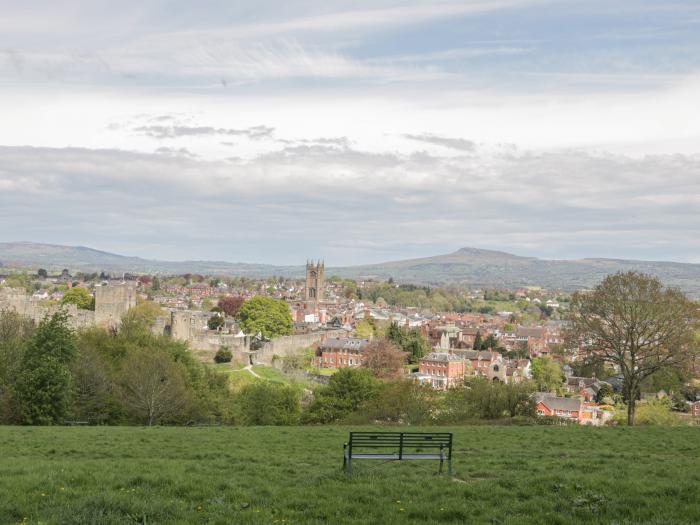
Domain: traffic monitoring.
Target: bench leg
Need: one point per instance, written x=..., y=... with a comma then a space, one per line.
x=449, y=467
x=441, y=460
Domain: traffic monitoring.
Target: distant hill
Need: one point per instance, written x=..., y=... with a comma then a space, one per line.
x=467, y=266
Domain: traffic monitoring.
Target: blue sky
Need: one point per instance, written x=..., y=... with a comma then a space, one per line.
x=354, y=131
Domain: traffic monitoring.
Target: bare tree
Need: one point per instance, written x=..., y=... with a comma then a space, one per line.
x=384, y=359
x=632, y=322
x=154, y=386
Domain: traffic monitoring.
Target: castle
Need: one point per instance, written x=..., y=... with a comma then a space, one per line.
x=112, y=301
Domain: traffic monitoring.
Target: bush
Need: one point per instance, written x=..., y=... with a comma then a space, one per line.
x=267, y=403
x=223, y=355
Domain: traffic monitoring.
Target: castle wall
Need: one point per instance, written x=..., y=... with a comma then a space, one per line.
x=288, y=345
x=112, y=302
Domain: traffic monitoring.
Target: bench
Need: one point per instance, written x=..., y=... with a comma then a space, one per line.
x=398, y=446
x=71, y=422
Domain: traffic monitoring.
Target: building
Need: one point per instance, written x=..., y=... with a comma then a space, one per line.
x=441, y=370
x=340, y=352
x=568, y=408
x=315, y=281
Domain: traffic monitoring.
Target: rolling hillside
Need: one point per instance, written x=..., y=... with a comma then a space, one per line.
x=467, y=266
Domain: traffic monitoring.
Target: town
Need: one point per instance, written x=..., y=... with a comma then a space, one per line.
x=440, y=338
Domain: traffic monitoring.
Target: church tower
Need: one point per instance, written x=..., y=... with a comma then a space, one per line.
x=315, y=281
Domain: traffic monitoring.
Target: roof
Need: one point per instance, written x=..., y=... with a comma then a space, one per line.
x=441, y=356
x=561, y=403
x=344, y=343
x=524, y=331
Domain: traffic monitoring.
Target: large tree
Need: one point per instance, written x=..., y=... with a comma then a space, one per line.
x=44, y=386
x=384, y=359
x=80, y=297
x=547, y=374
x=632, y=322
x=266, y=316
x=231, y=304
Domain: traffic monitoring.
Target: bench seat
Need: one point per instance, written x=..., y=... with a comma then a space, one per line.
x=398, y=446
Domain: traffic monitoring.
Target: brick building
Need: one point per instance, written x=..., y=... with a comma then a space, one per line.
x=441, y=370
x=340, y=352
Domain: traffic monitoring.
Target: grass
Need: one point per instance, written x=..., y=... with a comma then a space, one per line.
x=286, y=475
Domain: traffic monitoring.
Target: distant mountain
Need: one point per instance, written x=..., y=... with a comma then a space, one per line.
x=467, y=266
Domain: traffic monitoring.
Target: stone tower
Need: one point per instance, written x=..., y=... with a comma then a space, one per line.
x=315, y=281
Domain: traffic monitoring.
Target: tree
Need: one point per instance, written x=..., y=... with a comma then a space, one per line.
x=477, y=341
x=42, y=273
x=604, y=391
x=632, y=322
x=215, y=322
x=547, y=374
x=384, y=359
x=80, y=297
x=364, y=329
x=154, y=386
x=223, y=355
x=231, y=304
x=266, y=316
x=15, y=332
x=267, y=403
x=44, y=386
x=347, y=389
x=411, y=341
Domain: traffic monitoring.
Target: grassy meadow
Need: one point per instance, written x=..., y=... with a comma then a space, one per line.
x=287, y=475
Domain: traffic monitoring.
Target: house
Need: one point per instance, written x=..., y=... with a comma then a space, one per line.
x=586, y=387
x=441, y=370
x=695, y=409
x=340, y=352
x=568, y=408
x=480, y=360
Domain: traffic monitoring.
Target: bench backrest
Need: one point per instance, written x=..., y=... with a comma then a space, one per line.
x=401, y=441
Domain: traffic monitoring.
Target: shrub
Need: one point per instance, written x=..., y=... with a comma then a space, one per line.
x=223, y=355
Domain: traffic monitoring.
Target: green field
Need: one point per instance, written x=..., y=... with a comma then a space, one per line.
x=231, y=475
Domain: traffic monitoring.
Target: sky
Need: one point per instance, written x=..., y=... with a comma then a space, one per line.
x=357, y=132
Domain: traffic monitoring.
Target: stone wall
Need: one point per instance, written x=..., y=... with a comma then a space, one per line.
x=290, y=345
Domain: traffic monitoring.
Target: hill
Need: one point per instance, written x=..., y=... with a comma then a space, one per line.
x=292, y=475
x=467, y=266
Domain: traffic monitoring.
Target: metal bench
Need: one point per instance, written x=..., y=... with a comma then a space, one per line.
x=398, y=446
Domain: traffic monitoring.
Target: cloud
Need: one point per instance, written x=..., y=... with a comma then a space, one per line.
x=175, y=131
x=452, y=143
x=366, y=207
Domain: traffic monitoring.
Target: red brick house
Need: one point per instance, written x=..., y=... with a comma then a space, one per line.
x=441, y=370
x=340, y=352
x=563, y=407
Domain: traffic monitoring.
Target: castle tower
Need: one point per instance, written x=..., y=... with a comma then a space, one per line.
x=315, y=281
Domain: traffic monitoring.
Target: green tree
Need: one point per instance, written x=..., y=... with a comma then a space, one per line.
x=44, y=386
x=478, y=343
x=411, y=341
x=547, y=374
x=267, y=403
x=154, y=387
x=80, y=297
x=635, y=324
x=15, y=333
x=364, y=329
x=215, y=322
x=347, y=389
x=266, y=316
x=604, y=391
x=223, y=355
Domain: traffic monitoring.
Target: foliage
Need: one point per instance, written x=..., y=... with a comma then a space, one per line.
x=346, y=391
x=215, y=322
x=44, y=382
x=231, y=304
x=80, y=297
x=409, y=340
x=140, y=319
x=654, y=413
x=154, y=387
x=266, y=316
x=223, y=355
x=364, y=329
x=483, y=399
x=15, y=333
x=399, y=402
x=268, y=403
x=632, y=322
x=547, y=374
x=384, y=359
x=605, y=391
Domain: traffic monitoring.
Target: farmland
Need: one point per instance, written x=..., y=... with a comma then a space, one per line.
x=502, y=474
